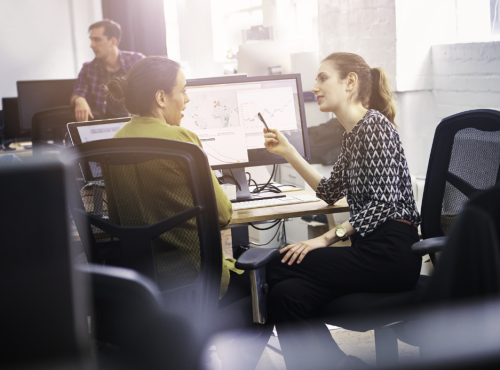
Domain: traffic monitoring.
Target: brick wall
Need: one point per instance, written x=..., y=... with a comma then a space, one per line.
x=466, y=76
x=362, y=27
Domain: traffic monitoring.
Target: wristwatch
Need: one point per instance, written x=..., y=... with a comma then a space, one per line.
x=341, y=232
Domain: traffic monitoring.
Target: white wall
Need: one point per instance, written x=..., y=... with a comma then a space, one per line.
x=367, y=28
x=195, y=38
x=466, y=76
x=44, y=39
x=417, y=122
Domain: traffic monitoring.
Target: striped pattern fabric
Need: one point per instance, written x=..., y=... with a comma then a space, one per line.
x=372, y=173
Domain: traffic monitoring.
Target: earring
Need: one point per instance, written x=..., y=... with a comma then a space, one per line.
x=163, y=105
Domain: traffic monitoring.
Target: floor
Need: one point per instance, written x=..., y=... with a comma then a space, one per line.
x=361, y=345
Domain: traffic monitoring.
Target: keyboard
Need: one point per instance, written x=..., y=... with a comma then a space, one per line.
x=275, y=202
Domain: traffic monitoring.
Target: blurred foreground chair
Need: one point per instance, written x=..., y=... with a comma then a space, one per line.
x=130, y=326
x=465, y=158
x=44, y=302
x=190, y=288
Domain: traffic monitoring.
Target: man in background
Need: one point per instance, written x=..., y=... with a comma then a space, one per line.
x=88, y=97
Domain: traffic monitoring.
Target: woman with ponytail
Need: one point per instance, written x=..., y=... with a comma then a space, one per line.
x=154, y=92
x=372, y=174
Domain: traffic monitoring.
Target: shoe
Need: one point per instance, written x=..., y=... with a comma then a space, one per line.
x=351, y=362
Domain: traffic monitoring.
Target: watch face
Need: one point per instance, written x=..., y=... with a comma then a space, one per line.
x=341, y=233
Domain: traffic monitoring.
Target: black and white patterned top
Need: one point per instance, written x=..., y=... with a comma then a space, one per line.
x=373, y=175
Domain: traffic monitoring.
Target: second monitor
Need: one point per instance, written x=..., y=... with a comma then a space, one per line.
x=224, y=113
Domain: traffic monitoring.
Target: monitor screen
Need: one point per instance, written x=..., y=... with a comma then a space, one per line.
x=223, y=112
x=35, y=96
x=99, y=131
x=82, y=132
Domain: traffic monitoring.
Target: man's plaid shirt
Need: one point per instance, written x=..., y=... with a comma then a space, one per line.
x=93, y=75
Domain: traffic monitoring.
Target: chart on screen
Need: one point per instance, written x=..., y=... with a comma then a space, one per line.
x=213, y=107
x=226, y=146
x=276, y=106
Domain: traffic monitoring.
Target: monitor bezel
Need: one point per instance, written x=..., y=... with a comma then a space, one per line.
x=242, y=79
x=20, y=100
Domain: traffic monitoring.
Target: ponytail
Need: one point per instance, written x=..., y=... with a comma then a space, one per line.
x=374, y=88
x=381, y=94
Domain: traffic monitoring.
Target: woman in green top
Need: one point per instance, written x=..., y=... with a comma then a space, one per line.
x=154, y=93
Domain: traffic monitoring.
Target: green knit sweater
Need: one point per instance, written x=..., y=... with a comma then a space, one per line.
x=142, y=194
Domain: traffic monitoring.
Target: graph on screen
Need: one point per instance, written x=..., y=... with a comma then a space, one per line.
x=213, y=107
x=276, y=106
x=226, y=146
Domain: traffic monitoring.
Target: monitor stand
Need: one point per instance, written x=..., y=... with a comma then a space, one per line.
x=244, y=194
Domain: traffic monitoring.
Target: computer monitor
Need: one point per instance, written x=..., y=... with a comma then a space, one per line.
x=223, y=112
x=35, y=96
x=12, y=127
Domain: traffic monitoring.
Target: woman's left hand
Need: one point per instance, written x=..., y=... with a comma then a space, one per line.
x=299, y=250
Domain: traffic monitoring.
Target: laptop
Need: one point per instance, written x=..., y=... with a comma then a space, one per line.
x=82, y=132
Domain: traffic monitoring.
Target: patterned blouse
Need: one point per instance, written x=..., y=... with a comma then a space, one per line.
x=373, y=175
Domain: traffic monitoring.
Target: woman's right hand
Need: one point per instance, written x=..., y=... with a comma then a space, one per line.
x=276, y=142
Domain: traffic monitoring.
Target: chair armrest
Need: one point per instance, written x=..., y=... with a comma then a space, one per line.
x=431, y=245
x=255, y=258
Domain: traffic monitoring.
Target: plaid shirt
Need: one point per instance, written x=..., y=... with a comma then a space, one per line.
x=94, y=74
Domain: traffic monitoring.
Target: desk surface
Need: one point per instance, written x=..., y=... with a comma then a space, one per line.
x=288, y=211
x=20, y=151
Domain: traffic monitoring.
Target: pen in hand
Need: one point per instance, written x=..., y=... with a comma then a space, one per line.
x=264, y=122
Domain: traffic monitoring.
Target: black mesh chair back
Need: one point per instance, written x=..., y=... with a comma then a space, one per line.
x=465, y=158
x=156, y=207
x=48, y=130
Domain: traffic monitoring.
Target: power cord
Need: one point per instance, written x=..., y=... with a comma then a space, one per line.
x=268, y=187
x=261, y=245
x=265, y=228
x=221, y=180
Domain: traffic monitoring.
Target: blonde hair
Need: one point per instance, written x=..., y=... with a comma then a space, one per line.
x=374, y=87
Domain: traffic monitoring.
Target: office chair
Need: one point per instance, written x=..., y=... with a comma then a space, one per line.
x=193, y=290
x=131, y=328
x=49, y=133
x=44, y=302
x=48, y=129
x=465, y=158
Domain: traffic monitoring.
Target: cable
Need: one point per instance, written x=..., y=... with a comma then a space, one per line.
x=221, y=180
x=258, y=189
x=266, y=228
x=261, y=245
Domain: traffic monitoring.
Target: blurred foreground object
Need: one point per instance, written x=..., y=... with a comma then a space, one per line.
x=44, y=304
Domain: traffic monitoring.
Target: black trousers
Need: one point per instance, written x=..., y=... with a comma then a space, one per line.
x=381, y=261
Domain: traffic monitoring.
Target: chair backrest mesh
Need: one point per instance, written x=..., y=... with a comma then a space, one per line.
x=146, y=193
x=465, y=158
x=156, y=208
x=475, y=158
